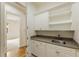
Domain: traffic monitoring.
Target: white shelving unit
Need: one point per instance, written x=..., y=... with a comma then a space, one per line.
x=60, y=18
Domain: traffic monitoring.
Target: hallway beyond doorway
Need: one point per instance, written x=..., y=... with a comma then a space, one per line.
x=13, y=44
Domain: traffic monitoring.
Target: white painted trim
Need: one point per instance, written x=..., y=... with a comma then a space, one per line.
x=61, y=22
x=3, y=40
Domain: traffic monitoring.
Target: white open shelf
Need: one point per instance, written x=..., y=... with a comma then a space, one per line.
x=62, y=22
x=60, y=18
x=61, y=13
x=64, y=26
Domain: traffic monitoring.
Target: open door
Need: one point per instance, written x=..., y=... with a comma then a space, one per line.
x=21, y=11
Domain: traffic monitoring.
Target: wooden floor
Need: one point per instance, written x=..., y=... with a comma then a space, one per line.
x=21, y=52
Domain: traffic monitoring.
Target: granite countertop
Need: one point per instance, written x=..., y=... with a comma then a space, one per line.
x=69, y=42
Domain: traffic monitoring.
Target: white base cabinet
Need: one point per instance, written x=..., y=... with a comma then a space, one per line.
x=67, y=52
x=51, y=50
x=38, y=48
x=42, y=49
x=35, y=48
x=59, y=51
x=77, y=52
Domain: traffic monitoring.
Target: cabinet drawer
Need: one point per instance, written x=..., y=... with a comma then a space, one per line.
x=65, y=52
x=59, y=51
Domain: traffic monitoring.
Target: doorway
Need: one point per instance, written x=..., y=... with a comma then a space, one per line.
x=15, y=29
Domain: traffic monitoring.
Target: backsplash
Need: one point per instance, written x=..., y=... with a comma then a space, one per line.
x=68, y=34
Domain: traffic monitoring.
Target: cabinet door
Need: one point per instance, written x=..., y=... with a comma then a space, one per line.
x=42, y=49
x=51, y=50
x=35, y=47
x=38, y=48
x=58, y=51
x=41, y=21
x=77, y=52
x=33, y=50
x=75, y=16
x=65, y=52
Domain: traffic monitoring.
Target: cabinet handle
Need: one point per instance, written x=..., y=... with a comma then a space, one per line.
x=57, y=52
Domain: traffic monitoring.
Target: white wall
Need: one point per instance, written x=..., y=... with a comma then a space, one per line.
x=67, y=34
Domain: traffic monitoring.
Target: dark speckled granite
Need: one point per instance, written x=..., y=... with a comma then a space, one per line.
x=69, y=42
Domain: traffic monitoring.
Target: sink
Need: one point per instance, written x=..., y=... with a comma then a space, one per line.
x=59, y=41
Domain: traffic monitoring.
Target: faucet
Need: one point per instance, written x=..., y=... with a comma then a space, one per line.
x=59, y=36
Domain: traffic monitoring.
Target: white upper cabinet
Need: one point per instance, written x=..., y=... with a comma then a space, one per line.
x=75, y=16
x=75, y=21
x=41, y=21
